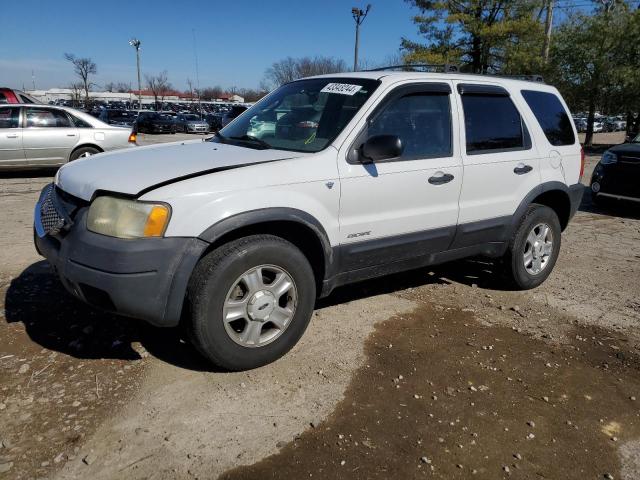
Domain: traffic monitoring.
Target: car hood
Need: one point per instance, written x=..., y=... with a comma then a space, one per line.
x=135, y=170
x=631, y=150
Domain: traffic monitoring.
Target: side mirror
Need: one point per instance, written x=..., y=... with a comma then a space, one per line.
x=381, y=147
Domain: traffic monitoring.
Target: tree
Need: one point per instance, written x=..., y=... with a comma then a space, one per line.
x=83, y=67
x=477, y=34
x=290, y=69
x=119, y=87
x=159, y=86
x=594, y=62
x=76, y=93
x=211, y=93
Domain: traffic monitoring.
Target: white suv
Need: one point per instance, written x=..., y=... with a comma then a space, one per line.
x=359, y=175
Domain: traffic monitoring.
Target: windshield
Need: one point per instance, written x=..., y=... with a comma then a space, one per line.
x=192, y=117
x=303, y=116
x=636, y=140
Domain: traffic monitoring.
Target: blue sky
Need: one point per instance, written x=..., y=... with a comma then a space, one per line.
x=236, y=40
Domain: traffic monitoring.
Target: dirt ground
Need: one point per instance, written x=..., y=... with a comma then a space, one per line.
x=440, y=372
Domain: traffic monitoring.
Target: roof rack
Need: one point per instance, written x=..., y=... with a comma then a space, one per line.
x=450, y=68
x=426, y=67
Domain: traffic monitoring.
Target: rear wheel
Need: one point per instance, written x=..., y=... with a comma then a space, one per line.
x=83, y=153
x=534, y=248
x=250, y=301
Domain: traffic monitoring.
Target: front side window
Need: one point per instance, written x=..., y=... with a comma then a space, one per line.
x=44, y=117
x=9, y=117
x=302, y=116
x=492, y=124
x=552, y=116
x=422, y=121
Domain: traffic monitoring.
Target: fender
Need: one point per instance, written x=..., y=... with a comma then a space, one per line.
x=273, y=214
x=528, y=200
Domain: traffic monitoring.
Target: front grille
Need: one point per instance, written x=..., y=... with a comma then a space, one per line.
x=52, y=220
x=57, y=209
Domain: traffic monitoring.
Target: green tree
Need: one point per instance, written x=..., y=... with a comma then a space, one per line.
x=594, y=61
x=480, y=35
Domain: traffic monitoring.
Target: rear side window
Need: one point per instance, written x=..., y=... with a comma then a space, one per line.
x=492, y=124
x=551, y=116
x=3, y=98
x=44, y=117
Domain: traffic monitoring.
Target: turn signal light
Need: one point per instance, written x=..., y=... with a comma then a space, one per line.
x=156, y=221
x=133, y=137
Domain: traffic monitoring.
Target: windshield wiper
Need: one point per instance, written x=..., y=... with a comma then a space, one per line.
x=251, y=138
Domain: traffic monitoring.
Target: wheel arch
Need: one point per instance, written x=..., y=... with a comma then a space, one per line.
x=298, y=227
x=84, y=145
x=554, y=195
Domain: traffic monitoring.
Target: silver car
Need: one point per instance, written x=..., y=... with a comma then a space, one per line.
x=33, y=136
x=190, y=123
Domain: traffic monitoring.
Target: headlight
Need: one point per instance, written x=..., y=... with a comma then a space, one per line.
x=123, y=218
x=608, y=158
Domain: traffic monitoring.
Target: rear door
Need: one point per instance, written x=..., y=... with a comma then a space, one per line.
x=48, y=136
x=11, y=152
x=501, y=165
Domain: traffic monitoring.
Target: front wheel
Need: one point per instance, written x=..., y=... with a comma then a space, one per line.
x=534, y=248
x=250, y=301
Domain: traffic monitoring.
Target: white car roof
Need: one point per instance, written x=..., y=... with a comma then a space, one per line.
x=387, y=76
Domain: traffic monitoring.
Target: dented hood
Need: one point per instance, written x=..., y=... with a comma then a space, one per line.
x=135, y=170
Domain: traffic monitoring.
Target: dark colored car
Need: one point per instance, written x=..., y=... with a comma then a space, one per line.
x=8, y=95
x=214, y=120
x=617, y=174
x=235, y=111
x=118, y=118
x=154, y=122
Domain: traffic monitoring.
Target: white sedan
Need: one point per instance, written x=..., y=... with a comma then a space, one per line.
x=33, y=136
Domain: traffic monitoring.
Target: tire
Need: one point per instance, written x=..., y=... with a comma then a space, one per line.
x=214, y=284
x=83, y=152
x=524, y=277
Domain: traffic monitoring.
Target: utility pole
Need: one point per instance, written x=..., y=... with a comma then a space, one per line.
x=195, y=55
x=135, y=43
x=548, y=25
x=359, y=16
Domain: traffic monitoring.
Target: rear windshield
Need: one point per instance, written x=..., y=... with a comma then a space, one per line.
x=551, y=116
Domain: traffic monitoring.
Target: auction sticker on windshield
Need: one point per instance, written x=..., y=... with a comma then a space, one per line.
x=341, y=88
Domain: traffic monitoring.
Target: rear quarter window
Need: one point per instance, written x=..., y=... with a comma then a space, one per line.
x=552, y=117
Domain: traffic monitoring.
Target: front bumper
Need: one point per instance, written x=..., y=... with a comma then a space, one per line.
x=198, y=128
x=142, y=278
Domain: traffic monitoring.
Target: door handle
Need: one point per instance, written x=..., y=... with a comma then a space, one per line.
x=71, y=134
x=12, y=135
x=521, y=169
x=440, y=178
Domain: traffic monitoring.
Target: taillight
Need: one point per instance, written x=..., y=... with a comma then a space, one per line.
x=581, y=163
x=133, y=137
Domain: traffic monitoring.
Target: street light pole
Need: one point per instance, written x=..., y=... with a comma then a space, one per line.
x=358, y=15
x=135, y=43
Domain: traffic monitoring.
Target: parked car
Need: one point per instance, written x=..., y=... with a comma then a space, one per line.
x=154, y=122
x=121, y=118
x=234, y=112
x=236, y=237
x=34, y=136
x=617, y=174
x=8, y=95
x=214, y=120
x=191, y=123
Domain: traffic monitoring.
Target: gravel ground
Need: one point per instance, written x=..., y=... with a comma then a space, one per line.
x=439, y=372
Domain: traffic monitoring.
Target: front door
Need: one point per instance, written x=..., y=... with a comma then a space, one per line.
x=407, y=206
x=11, y=152
x=48, y=136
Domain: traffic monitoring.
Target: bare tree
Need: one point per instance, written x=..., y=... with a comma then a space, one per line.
x=83, y=67
x=159, y=86
x=76, y=93
x=119, y=87
x=211, y=93
x=290, y=69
